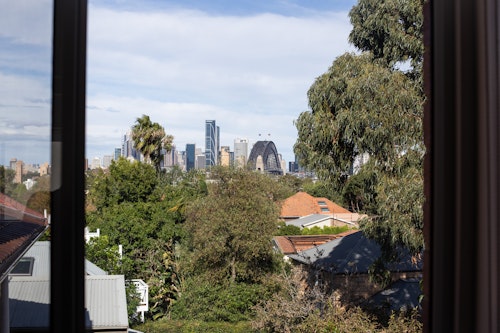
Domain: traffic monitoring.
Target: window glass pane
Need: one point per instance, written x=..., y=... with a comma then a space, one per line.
x=25, y=141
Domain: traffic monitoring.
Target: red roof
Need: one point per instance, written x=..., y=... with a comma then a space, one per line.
x=19, y=227
x=304, y=204
x=294, y=244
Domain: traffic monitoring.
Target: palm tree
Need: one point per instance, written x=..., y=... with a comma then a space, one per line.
x=150, y=139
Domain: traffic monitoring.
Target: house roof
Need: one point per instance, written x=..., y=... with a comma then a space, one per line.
x=353, y=253
x=304, y=204
x=29, y=296
x=40, y=252
x=304, y=221
x=19, y=228
x=105, y=302
x=401, y=295
x=293, y=244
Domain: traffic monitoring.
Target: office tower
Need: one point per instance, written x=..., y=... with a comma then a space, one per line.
x=128, y=149
x=240, y=152
x=18, y=178
x=200, y=161
x=106, y=161
x=181, y=159
x=170, y=158
x=190, y=156
x=96, y=163
x=211, y=143
x=45, y=169
x=12, y=164
x=225, y=156
x=118, y=153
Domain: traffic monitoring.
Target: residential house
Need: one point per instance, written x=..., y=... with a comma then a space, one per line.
x=20, y=227
x=303, y=204
x=343, y=265
x=29, y=284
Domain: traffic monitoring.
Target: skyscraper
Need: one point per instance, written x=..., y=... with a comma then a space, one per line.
x=190, y=156
x=240, y=152
x=211, y=143
x=225, y=156
x=118, y=153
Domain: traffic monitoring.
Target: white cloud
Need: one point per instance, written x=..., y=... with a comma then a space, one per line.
x=250, y=74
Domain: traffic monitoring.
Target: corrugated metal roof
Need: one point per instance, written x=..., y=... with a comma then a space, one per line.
x=105, y=302
x=40, y=251
x=29, y=302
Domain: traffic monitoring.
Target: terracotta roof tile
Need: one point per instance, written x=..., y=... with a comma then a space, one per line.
x=19, y=227
x=303, y=204
x=294, y=244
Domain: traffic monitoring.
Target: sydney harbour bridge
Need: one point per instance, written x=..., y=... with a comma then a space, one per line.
x=264, y=157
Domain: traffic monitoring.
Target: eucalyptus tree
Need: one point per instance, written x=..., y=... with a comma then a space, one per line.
x=366, y=104
x=150, y=140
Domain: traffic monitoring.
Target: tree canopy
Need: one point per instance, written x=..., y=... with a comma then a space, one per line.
x=364, y=104
x=231, y=228
x=150, y=139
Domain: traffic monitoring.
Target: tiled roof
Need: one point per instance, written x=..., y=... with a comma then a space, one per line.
x=303, y=204
x=353, y=253
x=293, y=244
x=19, y=227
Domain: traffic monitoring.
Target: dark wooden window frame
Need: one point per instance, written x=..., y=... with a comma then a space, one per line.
x=461, y=279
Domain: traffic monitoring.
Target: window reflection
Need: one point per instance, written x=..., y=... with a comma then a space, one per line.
x=25, y=140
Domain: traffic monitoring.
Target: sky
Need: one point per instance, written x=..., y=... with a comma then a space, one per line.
x=246, y=64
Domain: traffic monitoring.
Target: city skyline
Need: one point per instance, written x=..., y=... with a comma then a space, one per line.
x=247, y=64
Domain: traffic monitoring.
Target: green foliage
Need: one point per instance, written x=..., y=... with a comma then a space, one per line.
x=364, y=105
x=140, y=209
x=287, y=230
x=360, y=193
x=231, y=228
x=193, y=326
x=150, y=139
x=104, y=254
x=6, y=180
x=326, y=230
x=211, y=301
x=322, y=189
x=390, y=29
x=125, y=181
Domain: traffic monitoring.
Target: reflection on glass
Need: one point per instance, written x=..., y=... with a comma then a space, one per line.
x=25, y=130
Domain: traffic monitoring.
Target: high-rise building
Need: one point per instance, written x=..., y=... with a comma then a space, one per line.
x=118, y=153
x=96, y=163
x=170, y=159
x=240, y=152
x=12, y=164
x=212, y=132
x=45, y=169
x=106, y=161
x=225, y=156
x=190, y=156
x=128, y=149
x=200, y=161
x=18, y=178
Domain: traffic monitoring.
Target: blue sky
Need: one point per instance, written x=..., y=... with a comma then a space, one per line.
x=246, y=64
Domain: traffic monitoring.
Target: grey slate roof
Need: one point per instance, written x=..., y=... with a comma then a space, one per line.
x=353, y=253
x=105, y=302
x=400, y=296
